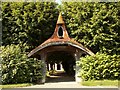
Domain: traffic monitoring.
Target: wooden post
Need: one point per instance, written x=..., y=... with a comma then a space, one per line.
x=48, y=66
x=77, y=68
x=43, y=58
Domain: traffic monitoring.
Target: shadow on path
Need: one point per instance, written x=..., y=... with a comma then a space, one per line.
x=60, y=76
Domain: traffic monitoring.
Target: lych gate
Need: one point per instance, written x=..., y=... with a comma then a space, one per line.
x=62, y=45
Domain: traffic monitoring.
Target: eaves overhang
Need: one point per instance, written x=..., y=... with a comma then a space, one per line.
x=59, y=43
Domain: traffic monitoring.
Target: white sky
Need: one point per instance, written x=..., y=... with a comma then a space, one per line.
x=58, y=1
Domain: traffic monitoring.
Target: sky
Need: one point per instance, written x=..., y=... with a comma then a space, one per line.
x=58, y=1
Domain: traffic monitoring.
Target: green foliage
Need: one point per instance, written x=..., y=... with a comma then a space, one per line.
x=17, y=67
x=15, y=85
x=30, y=23
x=51, y=72
x=100, y=66
x=95, y=25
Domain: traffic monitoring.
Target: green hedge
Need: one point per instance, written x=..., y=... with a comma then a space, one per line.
x=100, y=66
x=17, y=67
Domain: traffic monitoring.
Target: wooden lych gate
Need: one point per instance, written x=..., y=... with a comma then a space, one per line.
x=59, y=42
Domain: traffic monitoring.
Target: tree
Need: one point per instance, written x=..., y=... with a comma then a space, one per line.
x=95, y=25
x=17, y=67
x=30, y=23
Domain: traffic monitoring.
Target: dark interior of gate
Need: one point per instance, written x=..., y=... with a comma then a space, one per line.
x=62, y=62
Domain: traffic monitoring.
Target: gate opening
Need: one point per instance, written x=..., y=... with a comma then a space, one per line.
x=62, y=64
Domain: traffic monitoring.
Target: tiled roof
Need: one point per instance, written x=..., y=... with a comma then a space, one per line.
x=56, y=40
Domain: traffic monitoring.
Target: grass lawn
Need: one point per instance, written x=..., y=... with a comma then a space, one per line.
x=15, y=85
x=100, y=83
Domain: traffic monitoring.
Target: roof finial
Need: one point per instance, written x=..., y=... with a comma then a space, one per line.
x=60, y=19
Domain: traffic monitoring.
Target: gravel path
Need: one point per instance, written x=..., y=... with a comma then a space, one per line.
x=61, y=80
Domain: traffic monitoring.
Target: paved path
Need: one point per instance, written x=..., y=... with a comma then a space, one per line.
x=65, y=85
x=61, y=80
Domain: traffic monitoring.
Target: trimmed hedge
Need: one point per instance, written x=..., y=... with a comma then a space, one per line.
x=100, y=66
x=17, y=67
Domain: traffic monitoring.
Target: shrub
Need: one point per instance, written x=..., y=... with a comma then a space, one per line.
x=100, y=66
x=17, y=67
